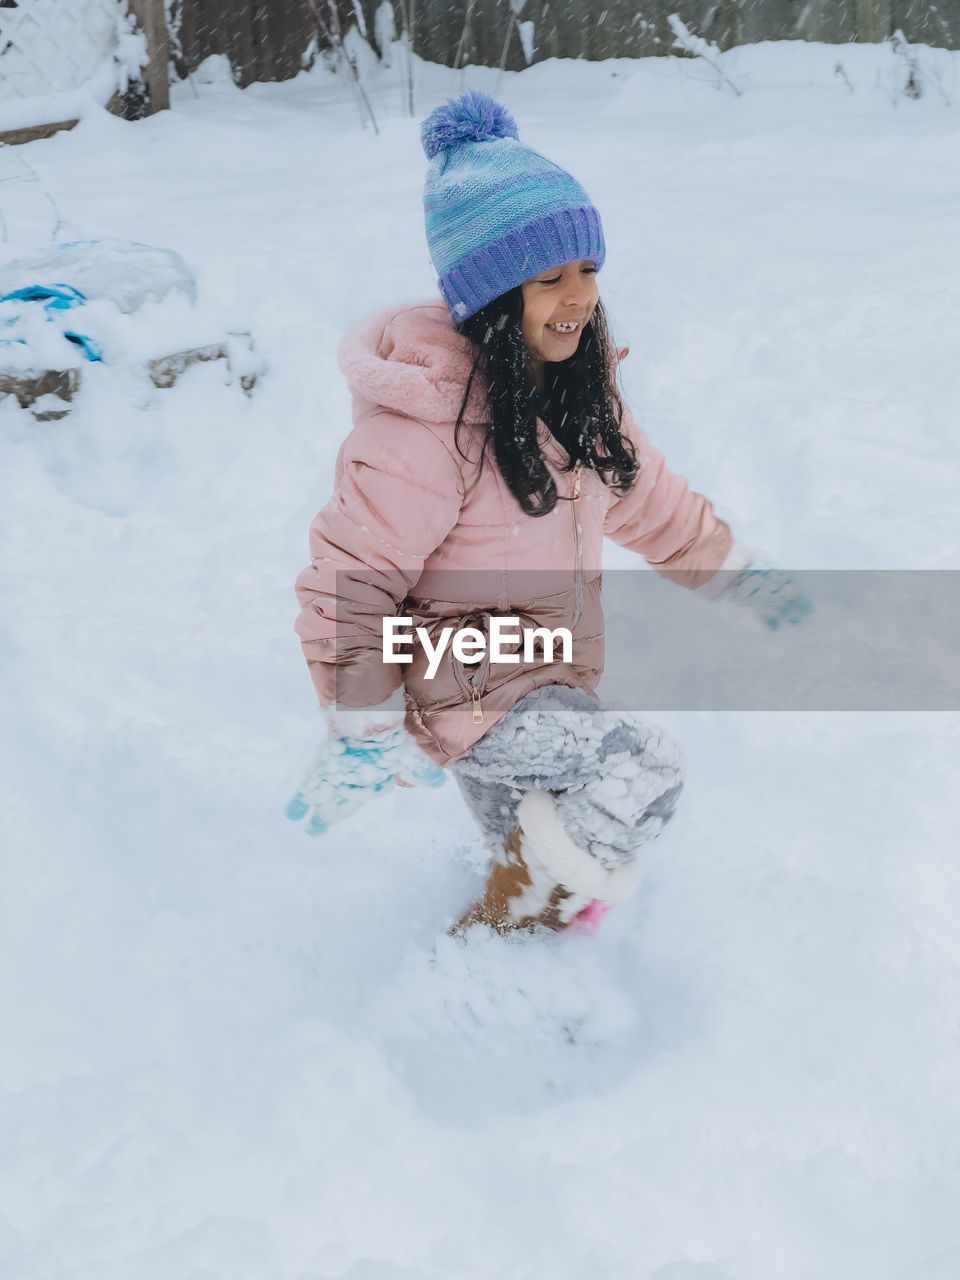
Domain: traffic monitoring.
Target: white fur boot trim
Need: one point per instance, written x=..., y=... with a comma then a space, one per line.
x=572, y=866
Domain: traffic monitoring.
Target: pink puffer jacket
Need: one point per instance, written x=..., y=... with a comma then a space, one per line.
x=414, y=528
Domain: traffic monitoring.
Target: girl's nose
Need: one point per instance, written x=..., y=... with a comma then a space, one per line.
x=577, y=292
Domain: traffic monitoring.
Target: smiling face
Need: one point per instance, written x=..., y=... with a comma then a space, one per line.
x=557, y=305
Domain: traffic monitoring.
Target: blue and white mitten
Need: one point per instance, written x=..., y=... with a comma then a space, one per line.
x=773, y=595
x=347, y=771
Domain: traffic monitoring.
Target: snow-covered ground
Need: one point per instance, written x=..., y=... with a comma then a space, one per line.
x=230, y=1052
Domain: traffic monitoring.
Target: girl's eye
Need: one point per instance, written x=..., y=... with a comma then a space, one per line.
x=589, y=271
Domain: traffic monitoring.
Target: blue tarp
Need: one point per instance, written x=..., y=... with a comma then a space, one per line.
x=53, y=298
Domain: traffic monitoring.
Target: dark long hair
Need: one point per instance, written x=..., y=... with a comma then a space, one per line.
x=586, y=407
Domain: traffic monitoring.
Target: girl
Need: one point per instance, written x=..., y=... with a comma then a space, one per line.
x=490, y=455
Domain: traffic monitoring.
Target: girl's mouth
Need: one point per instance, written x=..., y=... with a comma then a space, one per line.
x=565, y=334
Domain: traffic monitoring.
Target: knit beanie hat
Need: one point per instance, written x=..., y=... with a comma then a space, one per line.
x=497, y=212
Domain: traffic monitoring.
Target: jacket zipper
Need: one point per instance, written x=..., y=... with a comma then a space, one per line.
x=474, y=686
x=578, y=535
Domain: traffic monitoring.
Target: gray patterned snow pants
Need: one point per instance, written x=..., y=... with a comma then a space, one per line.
x=616, y=777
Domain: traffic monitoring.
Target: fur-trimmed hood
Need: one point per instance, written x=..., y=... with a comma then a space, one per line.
x=412, y=360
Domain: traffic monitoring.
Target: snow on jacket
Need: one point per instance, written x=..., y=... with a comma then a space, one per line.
x=416, y=529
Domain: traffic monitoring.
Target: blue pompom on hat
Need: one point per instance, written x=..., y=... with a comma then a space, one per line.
x=496, y=211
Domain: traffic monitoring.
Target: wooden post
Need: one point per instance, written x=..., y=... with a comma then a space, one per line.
x=153, y=23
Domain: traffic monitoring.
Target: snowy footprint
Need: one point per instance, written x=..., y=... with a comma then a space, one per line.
x=512, y=1021
x=509, y=991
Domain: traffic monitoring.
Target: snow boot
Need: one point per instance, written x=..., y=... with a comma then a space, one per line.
x=541, y=879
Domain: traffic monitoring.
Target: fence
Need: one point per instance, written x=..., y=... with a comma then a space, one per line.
x=263, y=41
x=58, y=55
x=50, y=49
x=273, y=39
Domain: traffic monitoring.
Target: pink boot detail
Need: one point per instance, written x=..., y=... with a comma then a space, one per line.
x=587, y=921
